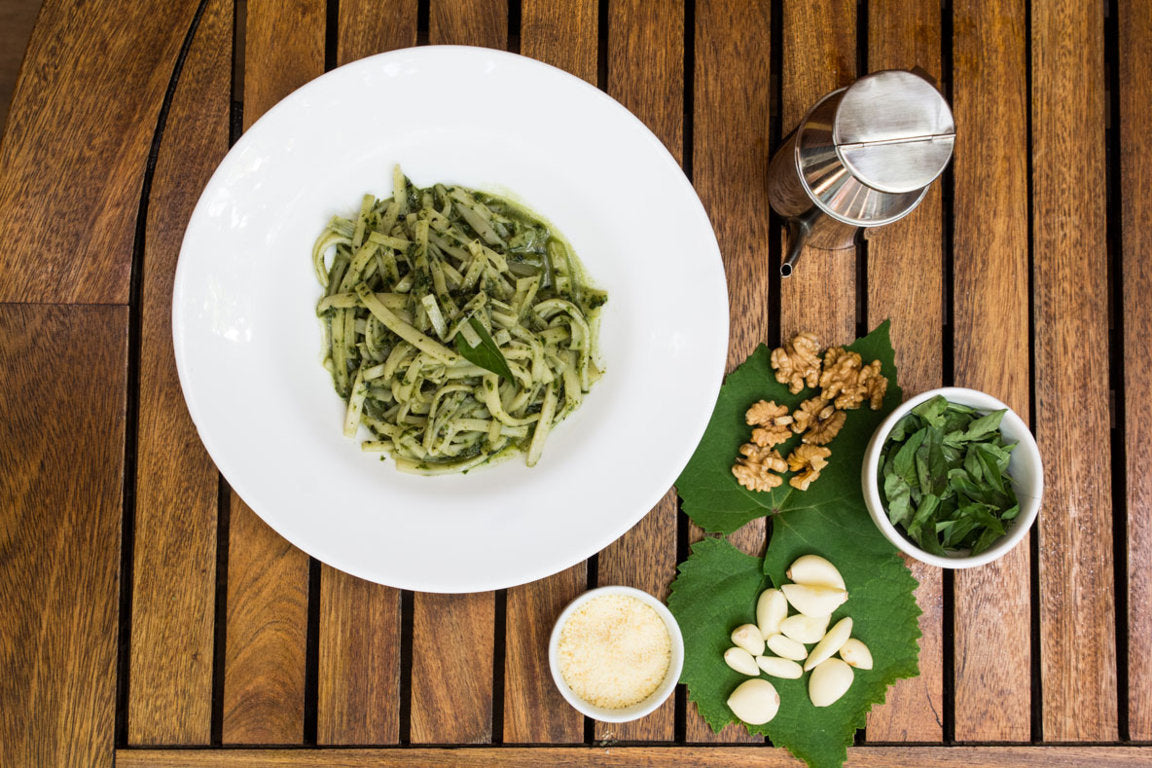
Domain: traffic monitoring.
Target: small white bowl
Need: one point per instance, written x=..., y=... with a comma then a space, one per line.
x=657, y=697
x=1025, y=469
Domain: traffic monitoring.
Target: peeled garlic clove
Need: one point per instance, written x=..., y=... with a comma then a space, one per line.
x=856, y=654
x=777, y=667
x=832, y=642
x=828, y=682
x=804, y=629
x=787, y=648
x=754, y=701
x=771, y=608
x=748, y=637
x=815, y=570
x=741, y=661
x=814, y=601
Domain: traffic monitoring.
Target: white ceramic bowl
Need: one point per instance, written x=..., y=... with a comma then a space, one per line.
x=657, y=697
x=1025, y=469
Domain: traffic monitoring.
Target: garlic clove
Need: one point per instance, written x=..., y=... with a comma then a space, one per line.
x=856, y=654
x=771, y=609
x=787, y=648
x=816, y=571
x=804, y=629
x=831, y=643
x=754, y=701
x=814, y=601
x=748, y=637
x=828, y=682
x=741, y=661
x=778, y=667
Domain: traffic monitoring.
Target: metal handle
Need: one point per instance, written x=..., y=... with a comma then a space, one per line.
x=799, y=228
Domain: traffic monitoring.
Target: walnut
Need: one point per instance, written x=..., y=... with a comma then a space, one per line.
x=797, y=363
x=807, y=461
x=840, y=378
x=812, y=410
x=847, y=382
x=757, y=470
x=822, y=431
x=771, y=422
x=877, y=386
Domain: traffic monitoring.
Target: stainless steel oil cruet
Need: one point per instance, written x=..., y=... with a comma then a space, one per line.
x=863, y=156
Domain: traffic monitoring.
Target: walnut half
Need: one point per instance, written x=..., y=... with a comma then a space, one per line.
x=807, y=460
x=771, y=423
x=797, y=363
x=758, y=468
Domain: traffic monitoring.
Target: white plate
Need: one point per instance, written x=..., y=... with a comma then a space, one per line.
x=248, y=344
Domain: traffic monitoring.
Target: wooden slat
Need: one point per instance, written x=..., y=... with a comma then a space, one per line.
x=730, y=152
x=358, y=681
x=267, y=577
x=468, y=22
x=370, y=26
x=452, y=644
x=564, y=36
x=991, y=618
x=452, y=682
x=534, y=711
x=62, y=449
x=17, y=17
x=75, y=146
x=642, y=757
x=358, y=684
x=174, y=554
x=1077, y=627
x=1135, y=24
x=266, y=634
x=819, y=56
x=646, y=74
x=905, y=276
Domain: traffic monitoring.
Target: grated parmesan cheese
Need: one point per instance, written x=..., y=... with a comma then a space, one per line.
x=614, y=651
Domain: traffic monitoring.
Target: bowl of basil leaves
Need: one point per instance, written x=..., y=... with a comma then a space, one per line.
x=953, y=478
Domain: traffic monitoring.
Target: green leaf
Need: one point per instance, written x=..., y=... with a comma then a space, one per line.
x=711, y=495
x=485, y=354
x=932, y=411
x=717, y=586
x=716, y=590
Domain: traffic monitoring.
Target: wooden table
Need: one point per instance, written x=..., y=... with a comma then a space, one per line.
x=144, y=609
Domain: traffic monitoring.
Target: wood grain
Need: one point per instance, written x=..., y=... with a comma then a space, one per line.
x=563, y=35
x=991, y=615
x=646, y=75
x=819, y=56
x=731, y=106
x=358, y=683
x=905, y=276
x=17, y=17
x=358, y=680
x=174, y=554
x=268, y=577
x=641, y=757
x=534, y=711
x=369, y=26
x=452, y=682
x=75, y=147
x=62, y=449
x=1135, y=45
x=452, y=661
x=468, y=22
x=1070, y=295
x=266, y=634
